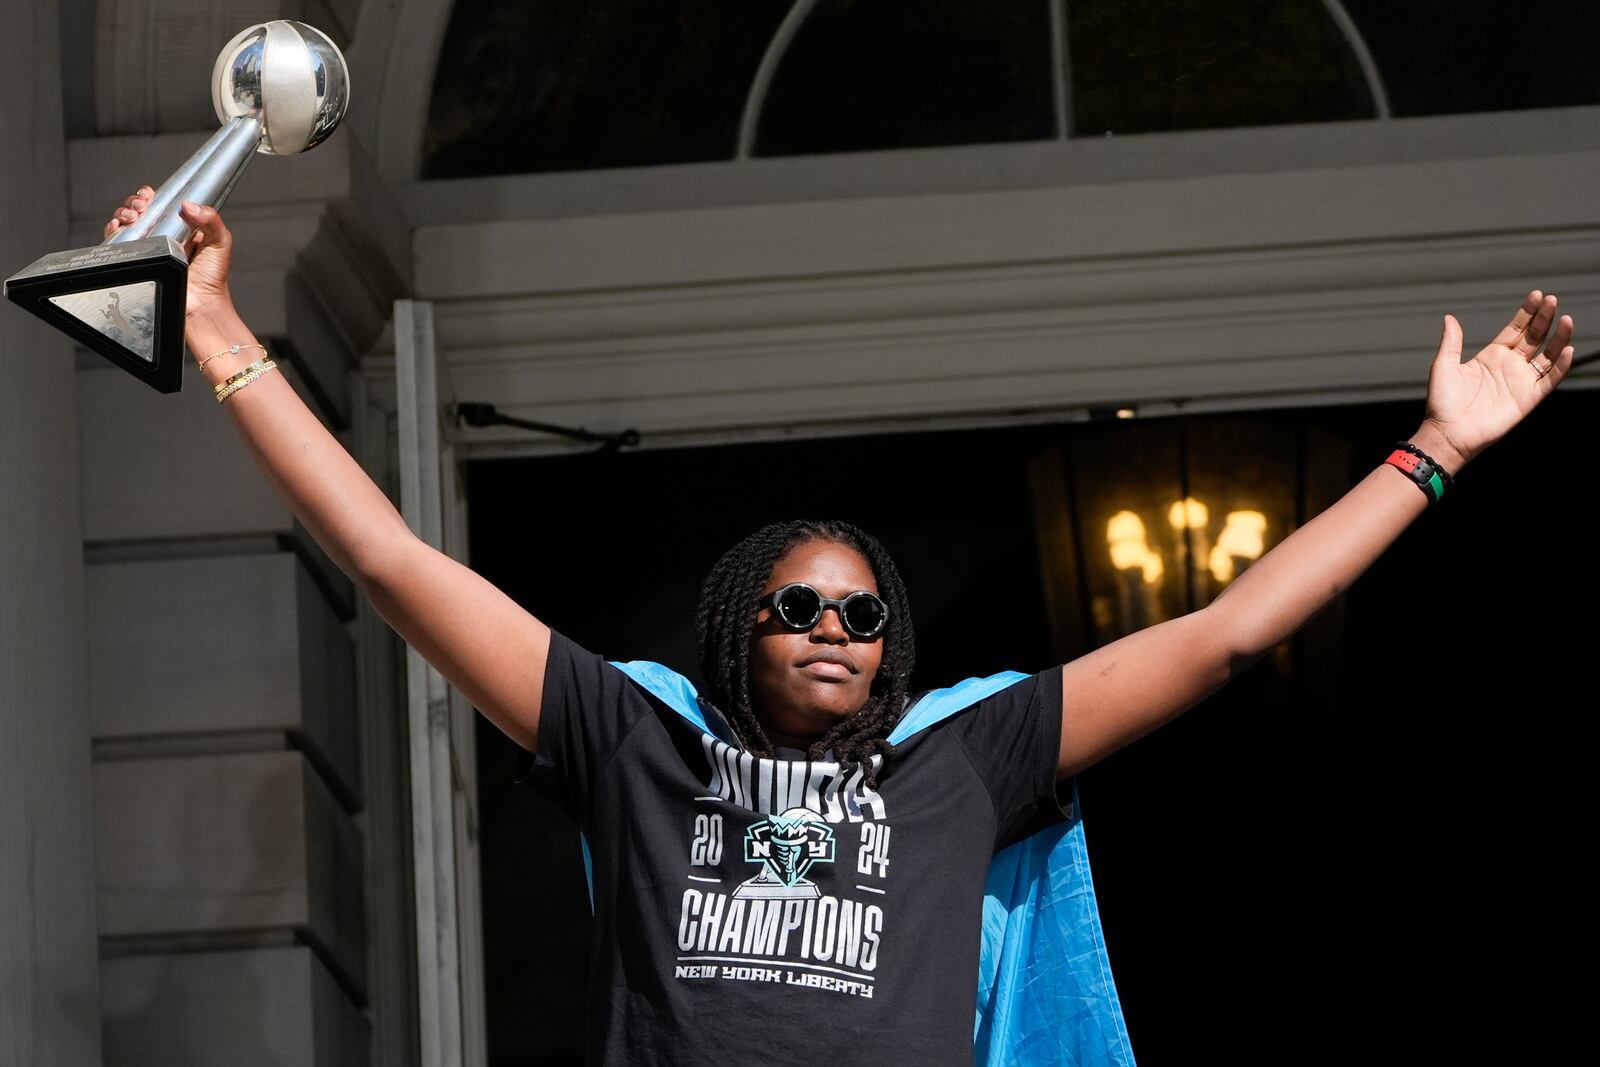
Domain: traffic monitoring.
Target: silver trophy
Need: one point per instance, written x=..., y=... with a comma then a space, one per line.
x=279, y=88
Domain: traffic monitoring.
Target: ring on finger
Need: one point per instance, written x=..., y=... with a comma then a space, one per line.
x=1541, y=370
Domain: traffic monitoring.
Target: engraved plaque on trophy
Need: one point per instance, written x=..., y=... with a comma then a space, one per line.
x=278, y=88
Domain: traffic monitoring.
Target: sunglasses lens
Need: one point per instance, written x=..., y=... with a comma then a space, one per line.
x=799, y=606
x=864, y=614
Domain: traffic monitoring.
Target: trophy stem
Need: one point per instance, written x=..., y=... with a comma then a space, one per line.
x=207, y=178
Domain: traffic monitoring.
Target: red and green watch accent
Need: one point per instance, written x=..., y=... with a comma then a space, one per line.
x=1421, y=468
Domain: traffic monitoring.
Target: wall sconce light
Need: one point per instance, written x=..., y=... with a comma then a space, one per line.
x=1243, y=537
x=1184, y=507
x=1130, y=548
x=1188, y=514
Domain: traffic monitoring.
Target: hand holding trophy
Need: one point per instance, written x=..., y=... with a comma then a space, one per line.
x=279, y=88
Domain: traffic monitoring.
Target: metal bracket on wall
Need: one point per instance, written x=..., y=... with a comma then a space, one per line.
x=477, y=414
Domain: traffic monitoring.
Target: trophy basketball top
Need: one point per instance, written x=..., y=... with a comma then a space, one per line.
x=290, y=77
x=279, y=88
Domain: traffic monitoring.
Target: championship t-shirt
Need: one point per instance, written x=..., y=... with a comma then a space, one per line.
x=779, y=911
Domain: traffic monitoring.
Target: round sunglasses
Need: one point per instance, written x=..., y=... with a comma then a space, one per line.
x=800, y=607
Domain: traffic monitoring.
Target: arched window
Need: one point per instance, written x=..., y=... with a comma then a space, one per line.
x=869, y=74
x=548, y=85
x=540, y=85
x=1145, y=66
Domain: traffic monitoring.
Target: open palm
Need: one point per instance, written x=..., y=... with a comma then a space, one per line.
x=1474, y=403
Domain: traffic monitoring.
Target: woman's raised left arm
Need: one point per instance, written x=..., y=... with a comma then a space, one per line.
x=1122, y=691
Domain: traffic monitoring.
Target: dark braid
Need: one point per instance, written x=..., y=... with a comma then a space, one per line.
x=729, y=601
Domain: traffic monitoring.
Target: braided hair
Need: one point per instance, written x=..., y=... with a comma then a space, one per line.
x=729, y=601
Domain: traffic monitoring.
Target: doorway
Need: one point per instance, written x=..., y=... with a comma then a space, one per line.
x=1296, y=849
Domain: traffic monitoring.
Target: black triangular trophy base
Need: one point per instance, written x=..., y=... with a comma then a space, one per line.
x=124, y=301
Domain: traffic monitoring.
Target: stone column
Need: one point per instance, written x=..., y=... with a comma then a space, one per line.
x=49, y=984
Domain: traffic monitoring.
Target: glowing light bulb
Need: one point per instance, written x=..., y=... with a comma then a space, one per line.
x=1124, y=526
x=1188, y=514
x=1153, y=569
x=1130, y=550
x=1243, y=536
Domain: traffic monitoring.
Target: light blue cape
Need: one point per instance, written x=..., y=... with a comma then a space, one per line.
x=1045, y=994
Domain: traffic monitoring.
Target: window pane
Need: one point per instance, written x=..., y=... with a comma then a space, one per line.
x=1140, y=66
x=1440, y=57
x=540, y=85
x=866, y=74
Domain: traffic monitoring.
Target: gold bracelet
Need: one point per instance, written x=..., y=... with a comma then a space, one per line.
x=230, y=350
x=255, y=370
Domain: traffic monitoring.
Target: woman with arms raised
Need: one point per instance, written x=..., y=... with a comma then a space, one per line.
x=797, y=861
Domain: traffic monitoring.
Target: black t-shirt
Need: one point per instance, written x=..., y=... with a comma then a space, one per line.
x=774, y=911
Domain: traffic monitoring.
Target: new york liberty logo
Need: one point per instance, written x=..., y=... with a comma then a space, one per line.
x=786, y=846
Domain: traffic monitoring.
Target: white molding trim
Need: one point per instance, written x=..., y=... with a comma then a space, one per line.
x=443, y=753
x=1000, y=167
x=858, y=315
x=432, y=813
x=390, y=894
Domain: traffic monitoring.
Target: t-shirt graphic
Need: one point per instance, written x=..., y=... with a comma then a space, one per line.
x=786, y=847
x=779, y=924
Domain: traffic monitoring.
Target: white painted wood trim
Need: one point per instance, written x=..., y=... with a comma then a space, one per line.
x=390, y=897
x=432, y=814
x=444, y=770
x=1024, y=165
x=464, y=776
x=823, y=317
x=1096, y=223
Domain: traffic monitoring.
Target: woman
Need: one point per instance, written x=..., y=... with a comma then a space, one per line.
x=797, y=864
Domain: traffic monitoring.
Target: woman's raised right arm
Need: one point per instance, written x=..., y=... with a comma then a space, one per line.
x=482, y=641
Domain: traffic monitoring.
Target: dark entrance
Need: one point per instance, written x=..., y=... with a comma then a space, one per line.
x=1369, y=829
